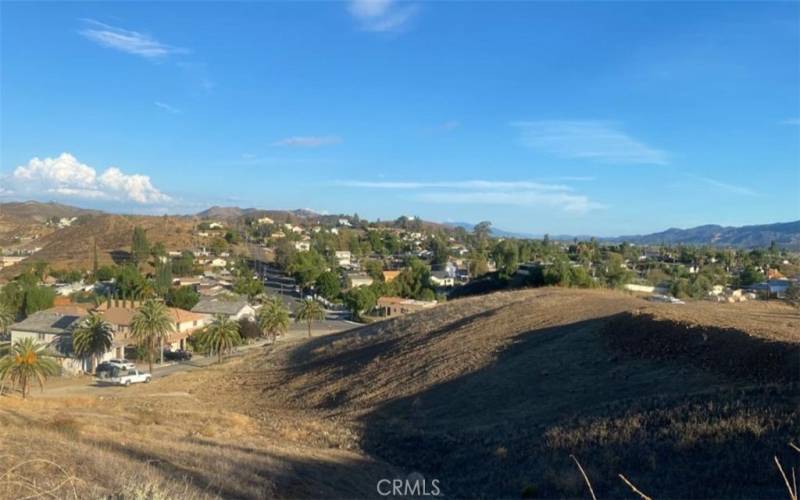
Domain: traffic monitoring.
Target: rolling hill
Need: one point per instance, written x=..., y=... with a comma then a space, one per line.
x=786, y=235
x=490, y=395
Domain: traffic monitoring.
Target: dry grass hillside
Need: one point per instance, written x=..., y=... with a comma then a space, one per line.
x=72, y=247
x=491, y=395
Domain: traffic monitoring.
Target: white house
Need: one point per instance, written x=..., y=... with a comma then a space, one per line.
x=356, y=280
x=218, y=262
x=442, y=279
x=215, y=225
x=233, y=307
x=302, y=246
x=343, y=257
x=265, y=221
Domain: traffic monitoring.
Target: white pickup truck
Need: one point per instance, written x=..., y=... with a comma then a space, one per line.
x=128, y=377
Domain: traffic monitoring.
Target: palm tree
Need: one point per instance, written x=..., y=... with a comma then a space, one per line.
x=26, y=360
x=273, y=318
x=150, y=326
x=220, y=335
x=309, y=311
x=92, y=337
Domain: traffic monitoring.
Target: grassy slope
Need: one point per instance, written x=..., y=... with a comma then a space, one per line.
x=489, y=394
x=492, y=394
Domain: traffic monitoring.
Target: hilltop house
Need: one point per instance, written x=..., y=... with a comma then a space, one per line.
x=235, y=308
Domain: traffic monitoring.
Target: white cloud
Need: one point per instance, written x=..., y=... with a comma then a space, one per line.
x=382, y=15
x=726, y=187
x=567, y=202
x=309, y=141
x=66, y=176
x=473, y=184
x=132, y=42
x=592, y=140
x=486, y=192
x=166, y=107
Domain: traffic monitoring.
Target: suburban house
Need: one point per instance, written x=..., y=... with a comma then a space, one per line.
x=302, y=246
x=120, y=317
x=53, y=328
x=10, y=260
x=235, y=308
x=355, y=280
x=395, y=306
x=265, y=220
x=343, y=257
x=442, y=279
x=218, y=262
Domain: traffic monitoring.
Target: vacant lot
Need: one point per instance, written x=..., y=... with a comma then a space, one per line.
x=490, y=395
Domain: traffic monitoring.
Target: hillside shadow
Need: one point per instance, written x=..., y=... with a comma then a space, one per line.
x=485, y=433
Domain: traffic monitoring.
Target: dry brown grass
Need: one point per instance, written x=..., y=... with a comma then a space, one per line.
x=492, y=395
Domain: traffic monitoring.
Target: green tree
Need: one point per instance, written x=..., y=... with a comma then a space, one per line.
x=249, y=286
x=130, y=284
x=183, y=265
x=309, y=311
x=506, y=255
x=374, y=268
x=7, y=316
x=359, y=300
x=26, y=361
x=273, y=318
x=327, y=285
x=140, y=247
x=220, y=336
x=105, y=273
x=162, y=280
x=414, y=280
x=182, y=297
x=93, y=337
x=38, y=298
x=307, y=266
x=150, y=325
x=750, y=275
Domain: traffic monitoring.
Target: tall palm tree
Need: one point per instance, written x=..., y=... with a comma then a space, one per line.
x=220, y=335
x=150, y=326
x=26, y=360
x=92, y=337
x=273, y=318
x=309, y=311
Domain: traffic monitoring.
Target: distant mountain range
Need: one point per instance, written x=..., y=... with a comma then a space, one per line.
x=784, y=234
x=21, y=217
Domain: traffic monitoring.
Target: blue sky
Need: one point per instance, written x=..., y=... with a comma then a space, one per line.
x=581, y=118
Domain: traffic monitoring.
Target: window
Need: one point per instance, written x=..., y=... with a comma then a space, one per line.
x=42, y=336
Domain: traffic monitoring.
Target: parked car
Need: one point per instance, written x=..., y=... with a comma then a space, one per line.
x=128, y=377
x=179, y=355
x=122, y=363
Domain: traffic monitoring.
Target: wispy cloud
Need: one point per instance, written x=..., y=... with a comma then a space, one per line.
x=382, y=15
x=600, y=141
x=473, y=184
x=309, y=141
x=68, y=177
x=488, y=192
x=132, y=42
x=791, y=121
x=567, y=202
x=166, y=107
x=726, y=187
